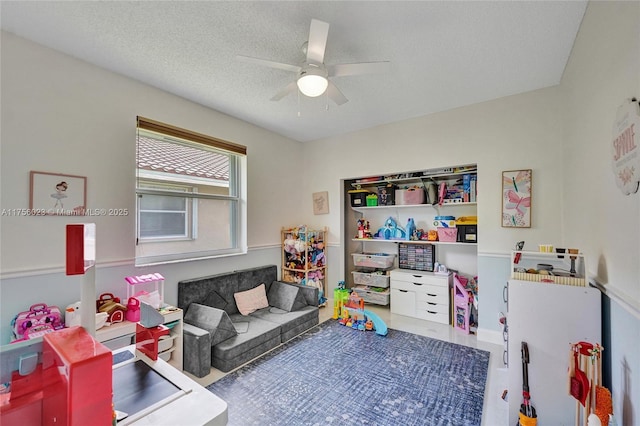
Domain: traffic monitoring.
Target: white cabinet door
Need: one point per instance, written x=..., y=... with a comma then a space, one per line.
x=549, y=317
x=403, y=302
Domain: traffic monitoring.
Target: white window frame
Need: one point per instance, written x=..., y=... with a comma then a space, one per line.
x=190, y=211
x=237, y=198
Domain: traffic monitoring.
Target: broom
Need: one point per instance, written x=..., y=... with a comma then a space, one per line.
x=604, y=403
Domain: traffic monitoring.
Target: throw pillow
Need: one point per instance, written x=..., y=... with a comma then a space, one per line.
x=286, y=297
x=214, y=300
x=251, y=300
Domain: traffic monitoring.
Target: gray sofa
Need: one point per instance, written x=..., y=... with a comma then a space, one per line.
x=217, y=334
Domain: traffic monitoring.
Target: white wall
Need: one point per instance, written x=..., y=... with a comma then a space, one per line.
x=517, y=132
x=66, y=116
x=603, y=72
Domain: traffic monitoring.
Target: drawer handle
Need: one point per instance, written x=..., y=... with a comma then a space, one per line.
x=431, y=303
x=403, y=291
x=431, y=294
x=417, y=283
x=432, y=312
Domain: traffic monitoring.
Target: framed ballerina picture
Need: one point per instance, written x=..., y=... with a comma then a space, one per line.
x=57, y=194
x=516, y=199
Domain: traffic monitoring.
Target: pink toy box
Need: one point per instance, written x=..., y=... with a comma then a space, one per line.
x=37, y=321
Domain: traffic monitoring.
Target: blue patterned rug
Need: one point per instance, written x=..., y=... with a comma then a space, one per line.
x=334, y=375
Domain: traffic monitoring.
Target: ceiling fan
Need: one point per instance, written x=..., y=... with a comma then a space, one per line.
x=313, y=75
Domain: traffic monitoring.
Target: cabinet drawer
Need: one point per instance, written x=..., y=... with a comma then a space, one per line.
x=430, y=291
x=432, y=306
x=420, y=287
x=420, y=278
x=441, y=317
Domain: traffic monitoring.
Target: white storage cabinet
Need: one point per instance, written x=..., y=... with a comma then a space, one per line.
x=423, y=295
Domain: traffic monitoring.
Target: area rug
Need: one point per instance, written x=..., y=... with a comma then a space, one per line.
x=334, y=375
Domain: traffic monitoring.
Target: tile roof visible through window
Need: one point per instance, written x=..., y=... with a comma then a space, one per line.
x=162, y=156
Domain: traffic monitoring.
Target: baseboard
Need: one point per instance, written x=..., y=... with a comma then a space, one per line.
x=490, y=336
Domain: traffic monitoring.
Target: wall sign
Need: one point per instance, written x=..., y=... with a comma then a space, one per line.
x=625, y=154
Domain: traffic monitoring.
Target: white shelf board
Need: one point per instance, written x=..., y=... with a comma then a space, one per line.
x=379, y=240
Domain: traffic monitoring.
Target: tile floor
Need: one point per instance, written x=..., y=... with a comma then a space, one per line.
x=495, y=411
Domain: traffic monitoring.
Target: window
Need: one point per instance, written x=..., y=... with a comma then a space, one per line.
x=163, y=216
x=191, y=195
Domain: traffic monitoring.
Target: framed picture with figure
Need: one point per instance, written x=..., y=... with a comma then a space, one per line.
x=57, y=194
x=516, y=198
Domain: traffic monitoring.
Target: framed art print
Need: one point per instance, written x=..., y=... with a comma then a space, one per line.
x=57, y=194
x=321, y=202
x=516, y=199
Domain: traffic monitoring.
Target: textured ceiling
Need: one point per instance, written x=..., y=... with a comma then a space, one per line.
x=444, y=54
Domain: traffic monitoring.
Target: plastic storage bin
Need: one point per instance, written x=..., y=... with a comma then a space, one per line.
x=372, y=200
x=369, y=295
x=447, y=235
x=444, y=221
x=372, y=279
x=410, y=196
x=373, y=260
x=358, y=197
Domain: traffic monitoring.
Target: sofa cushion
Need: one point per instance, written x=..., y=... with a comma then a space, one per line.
x=197, y=290
x=214, y=300
x=251, y=300
x=286, y=297
x=215, y=321
x=287, y=320
x=258, y=332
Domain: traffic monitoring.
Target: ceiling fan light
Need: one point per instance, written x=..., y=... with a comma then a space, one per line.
x=312, y=85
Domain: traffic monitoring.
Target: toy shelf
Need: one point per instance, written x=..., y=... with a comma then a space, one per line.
x=380, y=240
x=303, y=258
x=529, y=263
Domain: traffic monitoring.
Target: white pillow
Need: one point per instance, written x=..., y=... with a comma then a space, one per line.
x=251, y=300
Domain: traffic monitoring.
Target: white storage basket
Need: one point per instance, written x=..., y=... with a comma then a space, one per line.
x=373, y=260
x=371, y=279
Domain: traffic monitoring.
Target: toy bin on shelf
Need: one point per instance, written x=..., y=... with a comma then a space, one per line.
x=378, y=296
x=358, y=197
x=409, y=196
x=376, y=279
x=447, y=235
x=373, y=260
x=147, y=289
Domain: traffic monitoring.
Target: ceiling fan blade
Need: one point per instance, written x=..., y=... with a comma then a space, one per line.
x=340, y=70
x=289, y=88
x=270, y=64
x=335, y=94
x=318, y=33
